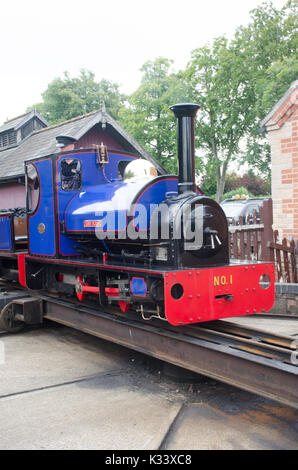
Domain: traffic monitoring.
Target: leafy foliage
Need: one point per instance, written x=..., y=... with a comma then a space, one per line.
x=208, y=181
x=237, y=191
x=148, y=117
x=68, y=97
x=267, y=48
x=254, y=184
x=236, y=85
x=217, y=83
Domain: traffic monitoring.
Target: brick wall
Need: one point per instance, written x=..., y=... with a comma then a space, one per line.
x=286, y=300
x=282, y=130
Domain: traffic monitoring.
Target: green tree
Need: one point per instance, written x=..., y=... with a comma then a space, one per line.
x=215, y=77
x=254, y=184
x=275, y=82
x=148, y=117
x=267, y=48
x=231, y=82
x=208, y=180
x=68, y=97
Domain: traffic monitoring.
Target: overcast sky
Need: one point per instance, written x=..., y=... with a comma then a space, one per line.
x=113, y=38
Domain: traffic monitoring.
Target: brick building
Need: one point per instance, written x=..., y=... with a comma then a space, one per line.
x=281, y=125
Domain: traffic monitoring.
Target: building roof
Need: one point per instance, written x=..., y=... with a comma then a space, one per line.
x=283, y=109
x=19, y=121
x=43, y=142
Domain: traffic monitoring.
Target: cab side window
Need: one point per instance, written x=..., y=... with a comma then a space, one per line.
x=33, y=188
x=71, y=174
x=121, y=167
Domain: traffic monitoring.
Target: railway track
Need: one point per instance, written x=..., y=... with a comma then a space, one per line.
x=252, y=340
x=255, y=341
x=259, y=361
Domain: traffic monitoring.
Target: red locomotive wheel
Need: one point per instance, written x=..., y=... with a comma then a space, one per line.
x=80, y=288
x=83, y=287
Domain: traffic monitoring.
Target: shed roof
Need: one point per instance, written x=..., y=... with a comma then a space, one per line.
x=19, y=121
x=43, y=142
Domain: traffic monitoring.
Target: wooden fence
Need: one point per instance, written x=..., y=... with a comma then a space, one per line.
x=252, y=238
x=285, y=258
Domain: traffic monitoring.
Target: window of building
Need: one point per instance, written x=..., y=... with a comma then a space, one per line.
x=8, y=139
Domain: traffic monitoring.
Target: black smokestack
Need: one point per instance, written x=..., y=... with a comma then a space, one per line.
x=185, y=113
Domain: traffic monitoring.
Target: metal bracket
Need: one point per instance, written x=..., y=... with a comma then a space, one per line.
x=28, y=309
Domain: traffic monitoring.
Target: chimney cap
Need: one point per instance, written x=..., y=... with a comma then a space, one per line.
x=185, y=109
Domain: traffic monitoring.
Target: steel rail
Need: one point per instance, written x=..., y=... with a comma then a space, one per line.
x=256, y=334
x=249, y=339
x=217, y=354
x=241, y=343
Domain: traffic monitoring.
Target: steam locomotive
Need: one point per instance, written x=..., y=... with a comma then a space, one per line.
x=104, y=227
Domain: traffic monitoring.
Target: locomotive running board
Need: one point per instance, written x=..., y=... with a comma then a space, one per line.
x=270, y=378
